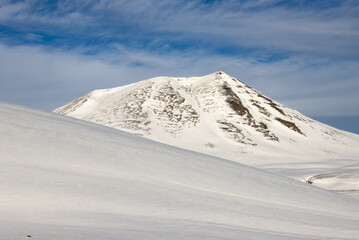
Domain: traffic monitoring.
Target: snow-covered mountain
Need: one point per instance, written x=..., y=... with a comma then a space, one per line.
x=63, y=178
x=222, y=116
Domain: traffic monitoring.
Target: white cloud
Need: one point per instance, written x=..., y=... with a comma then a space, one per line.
x=8, y=10
x=46, y=79
x=329, y=32
x=318, y=74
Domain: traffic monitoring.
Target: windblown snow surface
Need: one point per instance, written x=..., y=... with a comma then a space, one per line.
x=222, y=116
x=63, y=178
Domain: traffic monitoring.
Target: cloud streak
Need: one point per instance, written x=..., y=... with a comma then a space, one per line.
x=39, y=78
x=268, y=26
x=304, y=54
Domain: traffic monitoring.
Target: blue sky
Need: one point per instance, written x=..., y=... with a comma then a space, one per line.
x=304, y=54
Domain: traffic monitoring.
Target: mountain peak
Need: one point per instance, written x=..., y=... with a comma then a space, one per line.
x=214, y=114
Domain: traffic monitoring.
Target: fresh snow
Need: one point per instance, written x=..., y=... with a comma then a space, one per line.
x=63, y=178
x=222, y=116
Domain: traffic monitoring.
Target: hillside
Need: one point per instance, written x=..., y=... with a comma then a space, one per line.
x=63, y=178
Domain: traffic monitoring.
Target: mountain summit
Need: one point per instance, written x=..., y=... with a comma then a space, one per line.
x=166, y=108
x=218, y=115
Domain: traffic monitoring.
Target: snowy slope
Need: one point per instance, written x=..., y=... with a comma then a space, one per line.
x=63, y=178
x=222, y=116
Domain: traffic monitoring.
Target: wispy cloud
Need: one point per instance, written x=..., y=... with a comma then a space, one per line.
x=297, y=52
x=48, y=79
x=269, y=26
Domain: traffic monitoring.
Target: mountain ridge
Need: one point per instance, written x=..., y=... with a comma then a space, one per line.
x=173, y=104
x=222, y=116
x=178, y=90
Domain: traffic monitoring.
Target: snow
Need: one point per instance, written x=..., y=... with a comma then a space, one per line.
x=63, y=178
x=193, y=113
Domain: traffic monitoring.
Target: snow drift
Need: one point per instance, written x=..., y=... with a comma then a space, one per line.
x=63, y=178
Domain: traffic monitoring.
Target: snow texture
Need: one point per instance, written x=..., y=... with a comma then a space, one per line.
x=63, y=178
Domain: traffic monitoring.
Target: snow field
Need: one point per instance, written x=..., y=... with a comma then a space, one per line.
x=63, y=178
